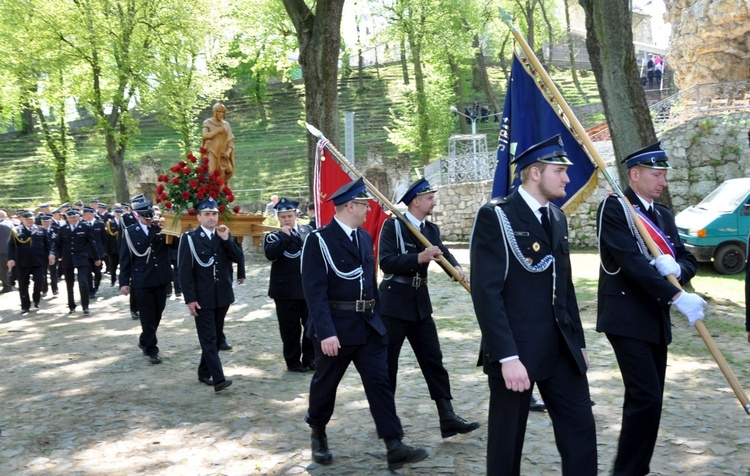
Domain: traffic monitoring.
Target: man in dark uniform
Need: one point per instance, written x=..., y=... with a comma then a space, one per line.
x=6, y=227
x=405, y=300
x=525, y=303
x=338, y=279
x=52, y=229
x=144, y=265
x=284, y=249
x=205, y=262
x=29, y=251
x=129, y=217
x=634, y=299
x=112, y=244
x=75, y=247
x=43, y=212
x=98, y=232
x=102, y=213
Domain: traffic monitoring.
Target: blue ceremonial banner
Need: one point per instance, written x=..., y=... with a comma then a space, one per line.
x=529, y=117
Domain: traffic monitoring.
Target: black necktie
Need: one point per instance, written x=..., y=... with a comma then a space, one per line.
x=421, y=227
x=545, y=222
x=354, y=239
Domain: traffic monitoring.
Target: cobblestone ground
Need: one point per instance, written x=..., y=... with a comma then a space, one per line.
x=79, y=398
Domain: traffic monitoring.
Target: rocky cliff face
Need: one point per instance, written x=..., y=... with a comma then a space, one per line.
x=710, y=40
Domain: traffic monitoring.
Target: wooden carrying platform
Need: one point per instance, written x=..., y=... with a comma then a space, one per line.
x=240, y=226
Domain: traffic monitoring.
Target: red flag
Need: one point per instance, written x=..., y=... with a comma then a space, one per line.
x=329, y=177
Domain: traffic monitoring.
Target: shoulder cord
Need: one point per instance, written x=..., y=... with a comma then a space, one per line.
x=146, y=253
x=633, y=230
x=273, y=238
x=206, y=264
x=18, y=238
x=109, y=229
x=356, y=273
x=400, y=245
x=510, y=242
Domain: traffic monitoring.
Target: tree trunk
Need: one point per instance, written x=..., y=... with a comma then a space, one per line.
x=480, y=66
x=550, y=38
x=423, y=127
x=116, y=159
x=609, y=40
x=404, y=63
x=258, y=96
x=572, y=53
x=458, y=90
x=27, y=117
x=319, y=38
x=59, y=153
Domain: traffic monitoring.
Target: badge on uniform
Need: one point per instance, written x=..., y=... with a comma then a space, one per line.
x=536, y=246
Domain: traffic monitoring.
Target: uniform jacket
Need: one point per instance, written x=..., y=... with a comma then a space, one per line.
x=111, y=237
x=633, y=297
x=322, y=284
x=402, y=300
x=286, y=254
x=34, y=253
x=514, y=306
x=210, y=286
x=146, y=271
x=6, y=226
x=98, y=232
x=76, y=247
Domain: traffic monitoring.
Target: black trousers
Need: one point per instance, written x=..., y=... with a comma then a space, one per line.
x=96, y=277
x=643, y=367
x=370, y=361
x=176, y=279
x=114, y=261
x=24, y=275
x=83, y=285
x=52, y=279
x=423, y=338
x=566, y=396
x=210, y=326
x=151, y=302
x=292, y=317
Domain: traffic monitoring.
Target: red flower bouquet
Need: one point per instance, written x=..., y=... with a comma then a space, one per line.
x=191, y=184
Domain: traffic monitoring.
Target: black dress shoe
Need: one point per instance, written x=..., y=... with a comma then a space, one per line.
x=36, y=305
x=135, y=315
x=225, y=346
x=143, y=348
x=310, y=365
x=24, y=312
x=206, y=380
x=72, y=311
x=55, y=293
x=400, y=454
x=320, y=452
x=222, y=385
x=451, y=424
x=86, y=311
x=536, y=405
x=154, y=359
x=297, y=368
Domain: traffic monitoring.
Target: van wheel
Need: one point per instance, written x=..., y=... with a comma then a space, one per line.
x=729, y=259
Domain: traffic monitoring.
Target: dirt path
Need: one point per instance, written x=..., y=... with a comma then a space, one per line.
x=79, y=398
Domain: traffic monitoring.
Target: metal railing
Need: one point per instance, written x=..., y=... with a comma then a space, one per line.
x=462, y=168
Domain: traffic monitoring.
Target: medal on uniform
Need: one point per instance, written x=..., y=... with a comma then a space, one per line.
x=536, y=246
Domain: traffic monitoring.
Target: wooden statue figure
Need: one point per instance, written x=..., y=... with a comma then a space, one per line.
x=219, y=142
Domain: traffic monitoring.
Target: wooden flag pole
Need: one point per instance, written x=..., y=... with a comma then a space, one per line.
x=422, y=239
x=588, y=146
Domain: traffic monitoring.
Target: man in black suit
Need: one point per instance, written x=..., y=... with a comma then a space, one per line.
x=76, y=250
x=30, y=250
x=405, y=300
x=51, y=228
x=338, y=279
x=284, y=249
x=526, y=307
x=204, y=262
x=634, y=299
x=98, y=232
x=144, y=265
x=112, y=244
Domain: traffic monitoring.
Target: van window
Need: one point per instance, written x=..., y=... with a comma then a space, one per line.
x=725, y=198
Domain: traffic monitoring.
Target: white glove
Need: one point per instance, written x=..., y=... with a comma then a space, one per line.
x=691, y=305
x=666, y=265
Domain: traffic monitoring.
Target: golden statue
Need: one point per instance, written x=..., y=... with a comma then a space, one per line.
x=219, y=142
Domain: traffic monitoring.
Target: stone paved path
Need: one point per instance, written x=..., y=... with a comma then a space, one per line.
x=80, y=399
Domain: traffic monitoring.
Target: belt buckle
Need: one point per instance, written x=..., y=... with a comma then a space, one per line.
x=359, y=305
x=416, y=281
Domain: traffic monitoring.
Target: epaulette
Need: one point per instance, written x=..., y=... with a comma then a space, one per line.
x=498, y=201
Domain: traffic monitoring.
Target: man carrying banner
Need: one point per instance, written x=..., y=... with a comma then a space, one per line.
x=405, y=300
x=527, y=310
x=338, y=280
x=634, y=300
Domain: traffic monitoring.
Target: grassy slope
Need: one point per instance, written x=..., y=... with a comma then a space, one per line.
x=270, y=157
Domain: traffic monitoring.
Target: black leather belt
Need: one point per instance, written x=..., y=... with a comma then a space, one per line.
x=415, y=281
x=358, y=305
